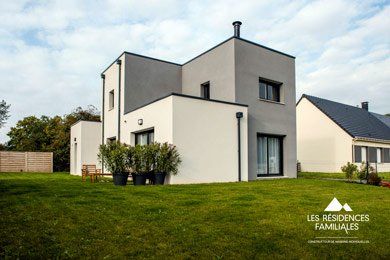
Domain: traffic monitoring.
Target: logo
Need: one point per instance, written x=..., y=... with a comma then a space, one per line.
x=337, y=224
x=335, y=205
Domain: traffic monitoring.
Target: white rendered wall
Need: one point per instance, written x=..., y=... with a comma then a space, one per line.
x=322, y=145
x=88, y=138
x=205, y=134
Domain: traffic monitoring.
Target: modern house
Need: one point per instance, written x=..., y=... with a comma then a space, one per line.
x=230, y=110
x=330, y=134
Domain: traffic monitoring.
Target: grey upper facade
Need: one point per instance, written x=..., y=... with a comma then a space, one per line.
x=357, y=122
x=236, y=70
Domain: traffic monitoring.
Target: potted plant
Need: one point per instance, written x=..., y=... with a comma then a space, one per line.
x=114, y=157
x=139, y=165
x=167, y=162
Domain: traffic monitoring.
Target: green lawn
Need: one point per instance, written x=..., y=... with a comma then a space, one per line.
x=336, y=175
x=56, y=215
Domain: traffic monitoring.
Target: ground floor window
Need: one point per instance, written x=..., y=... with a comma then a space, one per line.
x=269, y=155
x=144, y=138
x=371, y=154
x=111, y=139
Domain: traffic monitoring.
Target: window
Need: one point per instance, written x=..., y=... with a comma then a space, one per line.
x=205, y=90
x=144, y=138
x=269, y=90
x=269, y=155
x=379, y=155
x=386, y=155
x=111, y=139
x=358, y=153
x=372, y=154
x=111, y=99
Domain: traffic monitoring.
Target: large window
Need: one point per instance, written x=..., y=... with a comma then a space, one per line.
x=205, y=90
x=144, y=138
x=372, y=154
x=269, y=155
x=269, y=90
x=111, y=99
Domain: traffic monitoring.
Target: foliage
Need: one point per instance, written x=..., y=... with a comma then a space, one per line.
x=46, y=216
x=49, y=134
x=4, y=112
x=168, y=159
x=374, y=179
x=362, y=173
x=114, y=157
x=349, y=169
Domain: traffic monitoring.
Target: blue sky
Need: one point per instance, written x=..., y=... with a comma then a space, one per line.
x=52, y=52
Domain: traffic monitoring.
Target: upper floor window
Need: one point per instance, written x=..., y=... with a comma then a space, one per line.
x=269, y=90
x=205, y=90
x=111, y=99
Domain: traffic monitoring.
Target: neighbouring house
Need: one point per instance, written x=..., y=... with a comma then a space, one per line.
x=330, y=134
x=230, y=111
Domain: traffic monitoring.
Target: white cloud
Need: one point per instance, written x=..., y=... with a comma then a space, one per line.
x=52, y=52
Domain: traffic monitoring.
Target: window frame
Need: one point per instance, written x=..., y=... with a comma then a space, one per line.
x=203, y=87
x=281, y=152
x=270, y=84
x=111, y=99
x=148, y=132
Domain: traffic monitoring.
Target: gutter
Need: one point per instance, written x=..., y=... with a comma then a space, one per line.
x=239, y=115
x=119, y=62
x=103, y=106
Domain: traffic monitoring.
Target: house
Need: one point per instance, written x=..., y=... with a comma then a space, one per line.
x=230, y=110
x=330, y=134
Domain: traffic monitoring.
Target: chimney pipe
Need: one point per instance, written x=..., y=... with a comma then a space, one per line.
x=237, y=25
x=365, y=105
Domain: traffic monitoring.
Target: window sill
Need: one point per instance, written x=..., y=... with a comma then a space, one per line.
x=270, y=101
x=110, y=109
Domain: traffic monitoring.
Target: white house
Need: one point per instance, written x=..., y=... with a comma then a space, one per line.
x=330, y=134
x=230, y=111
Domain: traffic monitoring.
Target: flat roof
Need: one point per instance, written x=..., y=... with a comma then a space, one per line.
x=219, y=44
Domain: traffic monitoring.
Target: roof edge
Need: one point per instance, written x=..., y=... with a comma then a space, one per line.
x=345, y=130
x=80, y=121
x=186, y=96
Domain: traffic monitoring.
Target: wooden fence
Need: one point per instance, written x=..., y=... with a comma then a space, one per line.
x=26, y=161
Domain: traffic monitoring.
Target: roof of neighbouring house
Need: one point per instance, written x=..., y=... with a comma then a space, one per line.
x=356, y=121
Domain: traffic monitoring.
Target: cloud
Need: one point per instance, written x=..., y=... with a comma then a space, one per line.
x=52, y=52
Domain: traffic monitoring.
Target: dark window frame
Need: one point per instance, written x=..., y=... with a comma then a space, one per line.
x=205, y=90
x=111, y=139
x=281, y=152
x=275, y=88
x=148, y=132
x=111, y=99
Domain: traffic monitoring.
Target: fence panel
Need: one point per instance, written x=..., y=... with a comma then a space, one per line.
x=26, y=161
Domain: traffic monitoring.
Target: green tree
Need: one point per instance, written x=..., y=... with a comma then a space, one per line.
x=4, y=113
x=49, y=134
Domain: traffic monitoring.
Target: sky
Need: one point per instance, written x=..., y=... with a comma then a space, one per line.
x=52, y=52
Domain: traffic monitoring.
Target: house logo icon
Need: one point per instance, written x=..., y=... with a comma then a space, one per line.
x=335, y=205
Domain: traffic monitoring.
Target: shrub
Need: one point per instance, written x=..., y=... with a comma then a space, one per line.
x=114, y=156
x=349, y=169
x=168, y=159
x=362, y=173
x=374, y=179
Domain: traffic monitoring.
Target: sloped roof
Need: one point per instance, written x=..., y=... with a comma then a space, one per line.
x=356, y=121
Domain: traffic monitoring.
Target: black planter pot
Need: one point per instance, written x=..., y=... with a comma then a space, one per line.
x=120, y=179
x=139, y=179
x=159, y=178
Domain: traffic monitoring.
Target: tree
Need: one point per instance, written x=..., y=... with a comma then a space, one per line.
x=4, y=113
x=49, y=134
x=387, y=114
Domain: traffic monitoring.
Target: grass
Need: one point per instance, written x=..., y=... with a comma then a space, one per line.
x=58, y=216
x=335, y=175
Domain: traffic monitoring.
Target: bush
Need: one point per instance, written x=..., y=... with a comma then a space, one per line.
x=362, y=173
x=349, y=169
x=168, y=159
x=114, y=156
x=374, y=179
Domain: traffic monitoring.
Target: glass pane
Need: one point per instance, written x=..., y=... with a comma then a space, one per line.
x=275, y=91
x=262, y=155
x=262, y=90
x=270, y=93
x=274, y=155
x=151, y=137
